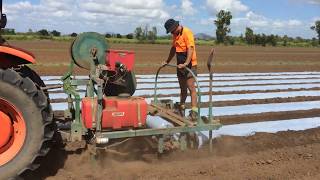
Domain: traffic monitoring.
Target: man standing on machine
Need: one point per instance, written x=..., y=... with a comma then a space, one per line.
x=183, y=46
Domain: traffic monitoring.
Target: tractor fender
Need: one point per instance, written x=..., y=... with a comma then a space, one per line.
x=12, y=56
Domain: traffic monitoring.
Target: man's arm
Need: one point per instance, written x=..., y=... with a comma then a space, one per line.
x=171, y=54
x=190, y=51
x=189, y=55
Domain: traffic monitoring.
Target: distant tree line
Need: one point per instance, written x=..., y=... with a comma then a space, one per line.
x=316, y=28
x=143, y=34
x=8, y=31
x=223, y=22
x=113, y=35
x=262, y=39
x=42, y=32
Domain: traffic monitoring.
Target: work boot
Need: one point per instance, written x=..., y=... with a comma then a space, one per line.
x=182, y=110
x=193, y=115
x=179, y=109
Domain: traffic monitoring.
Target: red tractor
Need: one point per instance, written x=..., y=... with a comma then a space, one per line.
x=26, y=118
x=104, y=117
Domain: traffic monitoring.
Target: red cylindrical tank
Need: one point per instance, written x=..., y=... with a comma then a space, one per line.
x=117, y=113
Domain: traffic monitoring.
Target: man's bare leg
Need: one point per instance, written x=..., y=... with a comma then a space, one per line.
x=193, y=94
x=183, y=94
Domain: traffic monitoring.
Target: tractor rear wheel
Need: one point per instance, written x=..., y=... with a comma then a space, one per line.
x=26, y=126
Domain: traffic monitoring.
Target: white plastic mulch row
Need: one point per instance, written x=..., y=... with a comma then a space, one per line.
x=243, y=109
x=173, y=79
x=243, y=129
x=232, y=88
x=226, y=97
x=247, y=129
x=309, y=83
x=141, y=86
x=230, y=83
x=237, y=74
x=262, y=108
x=250, y=96
x=45, y=78
x=215, y=83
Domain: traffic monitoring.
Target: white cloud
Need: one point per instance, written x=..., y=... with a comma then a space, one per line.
x=138, y=8
x=314, y=2
x=86, y=15
x=278, y=24
x=209, y=21
x=124, y=16
x=46, y=9
x=314, y=19
x=235, y=6
x=262, y=24
x=18, y=7
x=187, y=7
x=244, y=17
x=294, y=22
x=256, y=20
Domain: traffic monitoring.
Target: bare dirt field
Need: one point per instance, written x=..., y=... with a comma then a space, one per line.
x=283, y=155
x=53, y=57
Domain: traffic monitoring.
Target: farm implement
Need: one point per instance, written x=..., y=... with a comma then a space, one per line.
x=106, y=116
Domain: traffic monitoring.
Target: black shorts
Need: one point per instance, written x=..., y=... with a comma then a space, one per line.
x=184, y=73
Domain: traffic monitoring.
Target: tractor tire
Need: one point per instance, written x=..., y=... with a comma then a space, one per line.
x=26, y=124
x=25, y=71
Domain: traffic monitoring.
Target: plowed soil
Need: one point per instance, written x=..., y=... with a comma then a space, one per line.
x=284, y=155
x=53, y=57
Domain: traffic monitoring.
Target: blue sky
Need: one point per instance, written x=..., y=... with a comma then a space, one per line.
x=291, y=17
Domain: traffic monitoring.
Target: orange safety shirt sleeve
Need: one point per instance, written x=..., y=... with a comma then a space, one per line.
x=189, y=39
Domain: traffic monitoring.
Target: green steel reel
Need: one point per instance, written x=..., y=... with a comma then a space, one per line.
x=82, y=46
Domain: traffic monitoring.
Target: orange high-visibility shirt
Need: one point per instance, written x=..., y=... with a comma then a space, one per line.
x=183, y=41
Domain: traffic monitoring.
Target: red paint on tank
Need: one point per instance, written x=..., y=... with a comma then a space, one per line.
x=117, y=113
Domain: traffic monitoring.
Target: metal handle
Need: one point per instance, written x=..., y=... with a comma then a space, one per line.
x=197, y=83
x=209, y=65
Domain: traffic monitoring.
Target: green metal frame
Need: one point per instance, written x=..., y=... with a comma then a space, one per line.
x=73, y=111
x=70, y=88
x=200, y=126
x=162, y=131
x=155, y=99
x=78, y=129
